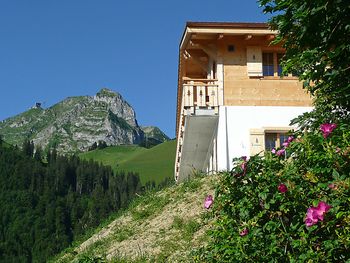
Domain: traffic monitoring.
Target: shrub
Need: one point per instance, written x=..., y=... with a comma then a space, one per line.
x=292, y=207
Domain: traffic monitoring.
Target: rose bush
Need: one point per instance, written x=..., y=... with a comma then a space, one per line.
x=292, y=209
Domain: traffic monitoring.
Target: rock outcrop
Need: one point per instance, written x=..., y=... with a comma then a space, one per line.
x=76, y=123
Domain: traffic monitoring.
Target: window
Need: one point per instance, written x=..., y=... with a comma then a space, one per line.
x=265, y=139
x=268, y=69
x=270, y=141
x=274, y=140
x=279, y=67
x=272, y=64
x=266, y=63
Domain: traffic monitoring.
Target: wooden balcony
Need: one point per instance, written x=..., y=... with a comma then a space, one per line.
x=202, y=93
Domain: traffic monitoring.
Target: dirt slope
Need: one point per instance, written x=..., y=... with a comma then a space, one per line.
x=159, y=227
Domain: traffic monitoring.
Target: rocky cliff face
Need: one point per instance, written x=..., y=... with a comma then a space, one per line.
x=155, y=133
x=76, y=123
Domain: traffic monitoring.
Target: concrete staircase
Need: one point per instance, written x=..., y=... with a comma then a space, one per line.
x=196, y=145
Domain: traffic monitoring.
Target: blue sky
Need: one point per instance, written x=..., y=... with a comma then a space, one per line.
x=52, y=49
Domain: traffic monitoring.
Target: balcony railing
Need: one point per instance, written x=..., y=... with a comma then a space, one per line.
x=200, y=93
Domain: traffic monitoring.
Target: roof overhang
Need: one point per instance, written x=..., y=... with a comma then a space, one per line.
x=226, y=28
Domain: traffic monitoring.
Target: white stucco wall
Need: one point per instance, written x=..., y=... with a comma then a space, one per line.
x=235, y=123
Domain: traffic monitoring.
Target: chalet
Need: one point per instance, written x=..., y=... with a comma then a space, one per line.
x=232, y=98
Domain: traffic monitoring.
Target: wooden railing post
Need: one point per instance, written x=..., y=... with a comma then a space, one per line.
x=201, y=96
x=213, y=96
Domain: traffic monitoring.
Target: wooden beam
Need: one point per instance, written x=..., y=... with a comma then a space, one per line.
x=204, y=36
x=211, y=52
x=193, y=45
x=186, y=55
x=198, y=61
x=270, y=37
x=203, y=80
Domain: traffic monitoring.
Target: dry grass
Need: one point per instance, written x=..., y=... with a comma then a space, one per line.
x=160, y=227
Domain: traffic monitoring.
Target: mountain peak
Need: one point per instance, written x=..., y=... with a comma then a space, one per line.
x=76, y=123
x=105, y=92
x=155, y=132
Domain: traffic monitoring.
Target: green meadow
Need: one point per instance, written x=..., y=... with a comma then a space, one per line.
x=153, y=164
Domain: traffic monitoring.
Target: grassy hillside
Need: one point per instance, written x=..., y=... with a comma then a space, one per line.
x=155, y=164
x=159, y=227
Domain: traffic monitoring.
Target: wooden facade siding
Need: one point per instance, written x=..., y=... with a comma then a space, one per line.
x=232, y=54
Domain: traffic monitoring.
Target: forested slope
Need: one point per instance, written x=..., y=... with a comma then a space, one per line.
x=46, y=205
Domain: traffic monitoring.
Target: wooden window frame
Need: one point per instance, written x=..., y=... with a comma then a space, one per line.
x=258, y=138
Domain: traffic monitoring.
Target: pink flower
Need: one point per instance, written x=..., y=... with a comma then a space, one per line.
x=208, y=201
x=244, y=232
x=311, y=218
x=243, y=166
x=290, y=139
x=282, y=188
x=280, y=152
x=331, y=186
x=322, y=209
x=316, y=213
x=327, y=128
x=273, y=150
x=285, y=144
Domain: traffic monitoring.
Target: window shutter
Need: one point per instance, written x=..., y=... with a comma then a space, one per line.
x=254, y=62
x=257, y=141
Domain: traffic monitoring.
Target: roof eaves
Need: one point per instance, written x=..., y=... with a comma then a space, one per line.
x=228, y=25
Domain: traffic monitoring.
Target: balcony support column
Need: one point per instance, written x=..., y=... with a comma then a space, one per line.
x=220, y=78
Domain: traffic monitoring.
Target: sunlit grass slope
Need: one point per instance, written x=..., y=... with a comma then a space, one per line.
x=155, y=164
x=164, y=226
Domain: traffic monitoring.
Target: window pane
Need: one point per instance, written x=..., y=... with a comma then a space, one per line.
x=268, y=64
x=283, y=138
x=279, y=67
x=270, y=141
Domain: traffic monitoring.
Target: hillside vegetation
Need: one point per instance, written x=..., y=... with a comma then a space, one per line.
x=158, y=227
x=154, y=164
x=47, y=205
x=291, y=205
